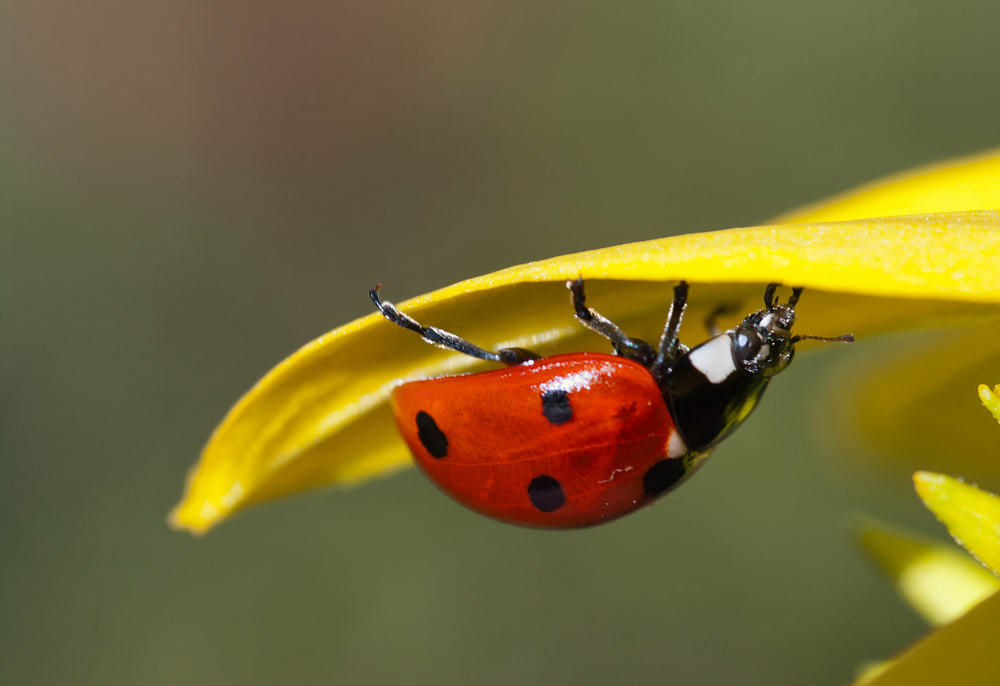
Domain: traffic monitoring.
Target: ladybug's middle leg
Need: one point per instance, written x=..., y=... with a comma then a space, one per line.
x=670, y=346
x=445, y=339
x=632, y=348
x=712, y=320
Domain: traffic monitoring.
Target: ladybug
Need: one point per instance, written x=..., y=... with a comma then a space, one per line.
x=579, y=439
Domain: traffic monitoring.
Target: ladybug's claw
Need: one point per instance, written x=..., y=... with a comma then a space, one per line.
x=769, y=300
x=796, y=294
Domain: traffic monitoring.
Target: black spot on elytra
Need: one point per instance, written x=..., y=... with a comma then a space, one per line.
x=662, y=475
x=555, y=405
x=546, y=494
x=431, y=436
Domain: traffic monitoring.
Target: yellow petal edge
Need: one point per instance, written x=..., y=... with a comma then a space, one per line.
x=940, y=582
x=990, y=399
x=321, y=416
x=966, y=183
x=971, y=515
x=964, y=650
x=963, y=653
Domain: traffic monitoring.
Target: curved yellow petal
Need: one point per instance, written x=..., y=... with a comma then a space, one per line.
x=908, y=398
x=958, y=185
x=908, y=388
x=321, y=418
x=972, y=515
x=990, y=399
x=962, y=652
x=940, y=582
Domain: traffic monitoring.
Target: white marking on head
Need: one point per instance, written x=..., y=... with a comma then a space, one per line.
x=714, y=359
x=675, y=444
x=765, y=321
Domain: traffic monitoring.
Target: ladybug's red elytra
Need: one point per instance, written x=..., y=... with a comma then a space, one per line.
x=580, y=439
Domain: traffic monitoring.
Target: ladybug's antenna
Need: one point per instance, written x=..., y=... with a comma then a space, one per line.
x=846, y=338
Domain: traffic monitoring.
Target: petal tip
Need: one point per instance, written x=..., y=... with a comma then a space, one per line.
x=182, y=519
x=929, y=483
x=990, y=398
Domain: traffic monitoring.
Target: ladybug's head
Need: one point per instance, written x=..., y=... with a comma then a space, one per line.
x=764, y=343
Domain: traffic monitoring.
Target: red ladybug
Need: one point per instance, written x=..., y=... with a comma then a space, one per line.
x=580, y=439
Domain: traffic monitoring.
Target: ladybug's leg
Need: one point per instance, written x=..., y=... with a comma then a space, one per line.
x=769, y=300
x=632, y=348
x=444, y=339
x=711, y=321
x=772, y=302
x=794, y=299
x=670, y=345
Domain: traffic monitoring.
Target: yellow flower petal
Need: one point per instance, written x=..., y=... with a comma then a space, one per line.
x=939, y=582
x=871, y=669
x=321, y=417
x=905, y=391
x=966, y=183
x=990, y=399
x=962, y=652
x=910, y=402
x=971, y=515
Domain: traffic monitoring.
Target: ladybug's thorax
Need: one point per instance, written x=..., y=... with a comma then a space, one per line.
x=712, y=387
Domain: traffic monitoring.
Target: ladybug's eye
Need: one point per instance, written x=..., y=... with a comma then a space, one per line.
x=746, y=344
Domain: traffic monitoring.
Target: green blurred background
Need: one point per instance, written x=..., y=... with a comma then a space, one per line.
x=192, y=190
